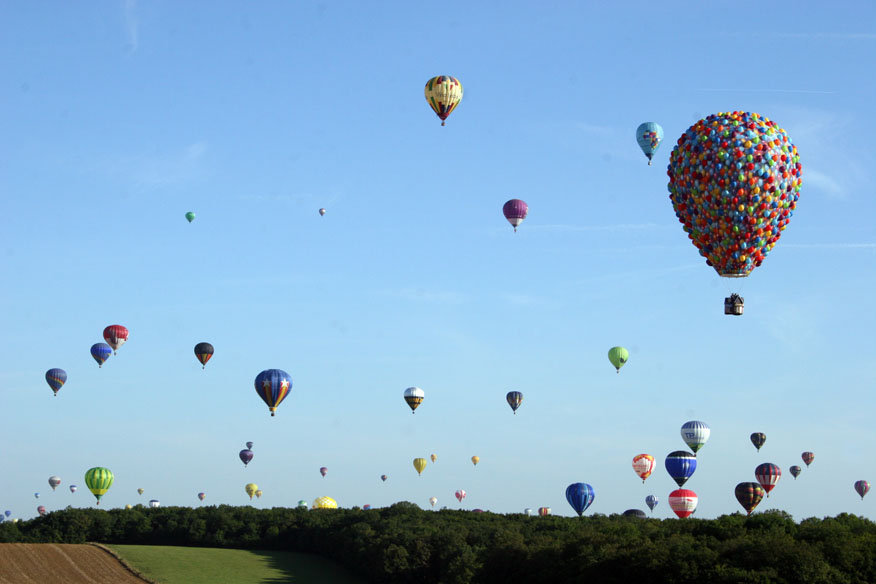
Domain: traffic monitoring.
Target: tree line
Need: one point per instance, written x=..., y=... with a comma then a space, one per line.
x=403, y=543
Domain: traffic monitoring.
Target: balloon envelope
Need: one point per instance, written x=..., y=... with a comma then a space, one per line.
x=273, y=385
x=514, y=399
x=321, y=212
x=154, y=503
x=683, y=502
x=54, y=482
x=749, y=495
x=101, y=352
x=41, y=510
x=862, y=488
x=795, y=471
x=56, y=378
x=190, y=216
x=475, y=460
x=420, y=465
x=618, y=357
x=544, y=511
x=434, y=457
x=443, y=94
x=140, y=491
x=414, y=396
x=245, y=456
x=460, y=495
x=203, y=352
x=383, y=478
x=201, y=496
x=249, y=445
x=758, y=439
x=433, y=500
x=323, y=470
x=250, y=489
x=73, y=488
x=695, y=434
x=515, y=212
x=768, y=475
x=98, y=480
x=808, y=457
x=734, y=181
x=325, y=503
x=637, y=513
x=115, y=336
x=649, y=135
x=643, y=465
x=302, y=504
x=681, y=465
x=651, y=501
x=580, y=496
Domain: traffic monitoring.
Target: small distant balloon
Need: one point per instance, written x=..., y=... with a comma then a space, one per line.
x=101, y=352
x=443, y=93
x=250, y=489
x=862, y=488
x=758, y=439
x=683, y=502
x=73, y=488
x=695, y=434
x=414, y=396
x=201, y=496
x=115, y=336
x=41, y=510
x=249, y=445
x=649, y=135
x=580, y=496
x=529, y=511
x=768, y=475
x=154, y=503
x=245, y=456
x=323, y=470
x=321, y=212
x=651, y=501
x=681, y=465
x=795, y=471
x=808, y=457
x=433, y=500
x=514, y=399
x=434, y=457
x=643, y=465
x=273, y=385
x=460, y=495
x=140, y=491
x=7, y=513
x=383, y=478
x=258, y=494
x=203, y=352
x=36, y=495
x=190, y=217
x=618, y=357
x=302, y=504
x=56, y=378
x=475, y=460
x=325, y=503
x=366, y=507
x=54, y=482
x=544, y=511
x=515, y=212
x=637, y=513
x=749, y=495
x=420, y=465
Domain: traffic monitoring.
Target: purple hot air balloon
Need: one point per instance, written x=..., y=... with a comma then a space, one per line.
x=245, y=456
x=515, y=212
x=323, y=471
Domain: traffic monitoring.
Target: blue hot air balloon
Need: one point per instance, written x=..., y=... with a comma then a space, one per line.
x=651, y=501
x=273, y=385
x=101, y=352
x=580, y=496
x=681, y=465
x=56, y=378
x=649, y=135
x=7, y=513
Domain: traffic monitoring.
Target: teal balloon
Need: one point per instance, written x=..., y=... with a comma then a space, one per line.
x=190, y=216
x=649, y=135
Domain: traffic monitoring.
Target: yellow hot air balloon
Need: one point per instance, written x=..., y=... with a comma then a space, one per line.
x=129, y=506
x=434, y=457
x=443, y=94
x=140, y=491
x=475, y=460
x=98, y=480
x=258, y=494
x=420, y=465
x=325, y=503
x=251, y=489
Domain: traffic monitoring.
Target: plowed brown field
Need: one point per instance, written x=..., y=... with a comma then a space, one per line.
x=24, y=563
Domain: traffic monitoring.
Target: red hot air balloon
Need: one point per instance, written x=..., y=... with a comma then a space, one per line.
x=683, y=502
x=768, y=475
x=515, y=212
x=807, y=457
x=544, y=511
x=115, y=336
x=460, y=495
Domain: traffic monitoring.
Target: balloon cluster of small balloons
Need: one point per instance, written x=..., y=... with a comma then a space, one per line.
x=734, y=181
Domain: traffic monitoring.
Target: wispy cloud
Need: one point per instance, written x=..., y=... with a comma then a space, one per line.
x=132, y=25
x=822, y=182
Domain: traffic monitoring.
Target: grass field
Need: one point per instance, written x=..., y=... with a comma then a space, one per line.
x=188, y=565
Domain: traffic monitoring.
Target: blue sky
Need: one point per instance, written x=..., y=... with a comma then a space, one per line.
x=118, y=117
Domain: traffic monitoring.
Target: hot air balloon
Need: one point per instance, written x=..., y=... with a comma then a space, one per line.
x=808, y=457
x=323, y=470
x=651, y=501
x=695, y=434
x=129, y=506
x=734, y=181
x=56, y=378
x=433, y=457
x=7, y=513
x=514, y=399
x=544, y=511
x=420, y=465
x=443, y=94
x=767, y=474
x=515, y=212
x=250, y=489
x=190, y=216
x=140, y=491
x=795, y=471
x=681, y=465
x=618, y=357
x=580, y=496
x=460, y=495
x=383, y=478
x=115, y=336
x=414, y=396
x=325, y=503
x=273, y=385
x=321, y=212
x=54, y=482
x=258, y=494
x=302, y=504
x=36, y=495
x=203, y=351
x=749, y=495
x=41, y=510
x=528, y=511
x=683, y=502
x=649, y=135
x=201, y=496
x=245, y=456
x=643, y=465
x=98, y=480
x=249, y=445
x=758, y=439
x=101, y=352
x=73, y=488
x=433, y=500
x=862, y=488
x=475, y=460
x=154, y=503
x=366, y=507
x=637, y=513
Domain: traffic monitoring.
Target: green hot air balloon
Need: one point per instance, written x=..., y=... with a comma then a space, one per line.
x=190, y=216
x=98, y=480
x=618, y=357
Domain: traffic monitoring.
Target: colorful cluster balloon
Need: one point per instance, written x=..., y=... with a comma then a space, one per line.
x=443, y=94
x=515, y=212
x=56, y=378
x=734, y=181
x=273, y=385
x=649, y=135
x=695, y=434
x=580, y=496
